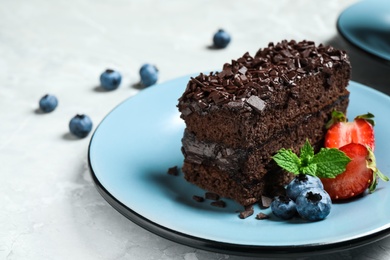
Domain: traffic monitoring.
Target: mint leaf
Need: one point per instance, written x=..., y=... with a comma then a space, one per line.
x=330, y=162
x=327, y=163
x=310, y=169
x=307, y=153
x=288, y=160
x=306, y=157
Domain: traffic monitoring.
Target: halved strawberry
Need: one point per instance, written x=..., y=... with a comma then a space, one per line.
x=361, y=173
x=340, y=132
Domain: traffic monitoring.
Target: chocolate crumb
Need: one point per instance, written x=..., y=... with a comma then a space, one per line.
x=218, y=203
x=247, y=212
x=265, y=202
x=261, y=216
x=211, y=196
x=198, y=198
x=173, y=171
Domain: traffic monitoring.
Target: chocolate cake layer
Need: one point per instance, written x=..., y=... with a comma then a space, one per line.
x=237, y=119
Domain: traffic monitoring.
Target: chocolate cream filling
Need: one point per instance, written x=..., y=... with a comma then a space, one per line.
x=230, y=159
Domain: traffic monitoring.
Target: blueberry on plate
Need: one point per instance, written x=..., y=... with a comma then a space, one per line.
x=110, y=79
x=48, y=103
x=300, y=183
x=313, y=204
x=221, y=39
x=80, y=125
x=283, y=207
x=148, y=74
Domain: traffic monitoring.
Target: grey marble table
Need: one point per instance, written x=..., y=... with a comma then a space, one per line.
x=50, y=208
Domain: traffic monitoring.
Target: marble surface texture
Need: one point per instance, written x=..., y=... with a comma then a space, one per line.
x=49, y=206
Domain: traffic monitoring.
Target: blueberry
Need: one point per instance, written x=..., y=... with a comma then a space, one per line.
x=300, y=183
x=221, y=39
x=110, y=79
x=48, y=103
x=80, y=125
x=313, y=204
x=149, y=74
x=283, y=207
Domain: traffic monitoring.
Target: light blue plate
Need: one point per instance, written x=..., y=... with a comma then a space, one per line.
x=133, y=147
x=366, y=25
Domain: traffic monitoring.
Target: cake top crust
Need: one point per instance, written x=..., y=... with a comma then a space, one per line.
x=250, y=83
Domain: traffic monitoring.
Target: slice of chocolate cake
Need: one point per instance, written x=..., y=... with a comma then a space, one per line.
x=238, y=118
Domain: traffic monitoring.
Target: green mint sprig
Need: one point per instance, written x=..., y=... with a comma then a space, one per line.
x=327, y=163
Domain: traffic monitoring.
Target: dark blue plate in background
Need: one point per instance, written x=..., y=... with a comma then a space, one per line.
x=366, y=25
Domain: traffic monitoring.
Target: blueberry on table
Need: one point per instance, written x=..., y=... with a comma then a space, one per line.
x=80, y=125
x=48, y=103
x=313, y=204
x=283, y=207
x=221, y=39
x=148, y=74
x=110, y=79
x=300, y=183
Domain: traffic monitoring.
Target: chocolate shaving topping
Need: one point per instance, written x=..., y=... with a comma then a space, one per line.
x=265, y=202
x=211, y=196
x=261, y=216
x=247, y=212
x=254, y=79
x=173, y=171
x=257, y=103
x=186, y=111
x=243, y=70
x=218, y=203
x=198, y=198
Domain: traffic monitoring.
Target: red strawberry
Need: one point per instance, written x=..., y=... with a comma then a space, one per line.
x=341, y=132
x=361, y=173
